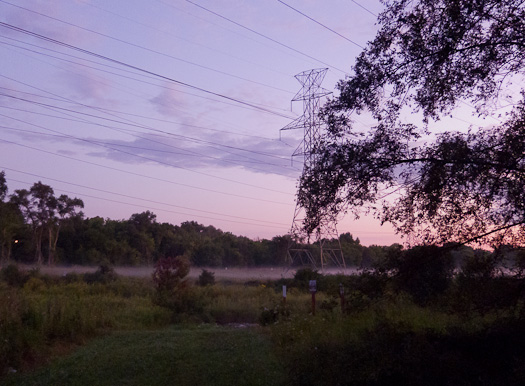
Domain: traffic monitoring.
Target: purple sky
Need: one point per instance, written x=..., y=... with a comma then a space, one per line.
x=171, y=106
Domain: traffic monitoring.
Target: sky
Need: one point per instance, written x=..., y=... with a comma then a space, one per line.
x=175, y=107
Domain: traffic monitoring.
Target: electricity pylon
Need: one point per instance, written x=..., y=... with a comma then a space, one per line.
x=298, y=251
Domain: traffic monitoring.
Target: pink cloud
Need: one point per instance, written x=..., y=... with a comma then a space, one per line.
x=169, y=102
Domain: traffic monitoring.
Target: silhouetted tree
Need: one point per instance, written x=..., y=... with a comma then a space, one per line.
x=11, y=221
x=43, y=212
x=428, y=58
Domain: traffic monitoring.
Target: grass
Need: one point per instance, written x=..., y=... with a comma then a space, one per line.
x=207, y=355
x=383, y=337
x=40, y=316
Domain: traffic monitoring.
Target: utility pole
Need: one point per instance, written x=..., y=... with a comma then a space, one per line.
x=298, y=250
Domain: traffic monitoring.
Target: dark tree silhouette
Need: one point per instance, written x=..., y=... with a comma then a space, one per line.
x=11, y=221
x=44, y=212
x=429, y=59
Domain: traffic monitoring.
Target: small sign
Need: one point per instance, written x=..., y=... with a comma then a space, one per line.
x=313, y=286
x=284, y=291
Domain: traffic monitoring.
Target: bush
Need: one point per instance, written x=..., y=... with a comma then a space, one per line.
x=424, y=272
x=172, y=289
x=273, y=315
x=104, y=274
x=356, y=301
x=170, y=272
x=13, y=276
x=302, y=278
x=206, y=278
x=397, y=353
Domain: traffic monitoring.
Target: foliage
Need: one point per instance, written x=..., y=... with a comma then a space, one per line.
x=424, y=272
x=273, y=315
x=35, y=218
x=389, y=353
x=11, y=222
x=13, y=276
x=170, y=272
x=206, y=278
x=428, y=59
x=44, y=212
x=302, y=277
x=473, y=335
x=104, y=274
x=50, y=312
x=172, y=290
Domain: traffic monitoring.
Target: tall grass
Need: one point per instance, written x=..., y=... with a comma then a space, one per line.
x=34, y=317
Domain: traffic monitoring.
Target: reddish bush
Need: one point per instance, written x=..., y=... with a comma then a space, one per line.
x=170, y=272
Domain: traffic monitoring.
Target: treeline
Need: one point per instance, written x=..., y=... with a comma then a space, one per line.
x=38, y=227
x=142, y=240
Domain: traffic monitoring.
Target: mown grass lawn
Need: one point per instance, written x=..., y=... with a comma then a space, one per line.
x=196, y=356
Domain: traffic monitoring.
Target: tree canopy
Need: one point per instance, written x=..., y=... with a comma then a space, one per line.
x=430, y=59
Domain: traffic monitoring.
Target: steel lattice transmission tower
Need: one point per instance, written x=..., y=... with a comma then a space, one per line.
x=311, y=94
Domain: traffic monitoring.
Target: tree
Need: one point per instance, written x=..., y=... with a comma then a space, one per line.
x=40, y=207
x=141, y=226
x=429, y=60
x=11, y=221
x=66, y=208
x=37, y=206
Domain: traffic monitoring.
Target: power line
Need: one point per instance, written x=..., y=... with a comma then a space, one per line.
x=151, y=208
x=103, y=109
x=182, y=151
x=245, y=105
x=259, y=42
x=147, y=158
x=366, y=9
x=136, y=125
x=182, y=38
x=145, y=48
x=141, y=175
x=264, y=36
x=321, y=24
x=249, y=106
x=165, y=133
x=136, y=198
x=100, y=56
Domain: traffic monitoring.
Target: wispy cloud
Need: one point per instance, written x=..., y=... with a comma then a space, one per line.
x=169, y=102
x=253, y=154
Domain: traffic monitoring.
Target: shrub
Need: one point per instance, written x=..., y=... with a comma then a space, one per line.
x=356, y=301
x=104, y=274
x=303, y=276
x=206, y=278
x=170, y=272
x=273, y=315
x=172, y=289
x=424, y=272
x=13, y=276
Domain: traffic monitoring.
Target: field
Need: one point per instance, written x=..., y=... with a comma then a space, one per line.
x=80, y=328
